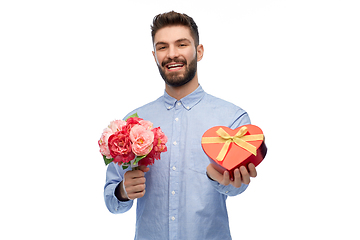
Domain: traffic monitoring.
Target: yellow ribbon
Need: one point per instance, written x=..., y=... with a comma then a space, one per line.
x=239, y=139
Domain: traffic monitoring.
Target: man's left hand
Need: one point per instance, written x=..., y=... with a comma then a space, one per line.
x=241, y=175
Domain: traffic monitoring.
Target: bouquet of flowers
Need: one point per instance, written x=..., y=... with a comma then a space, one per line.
x=133, y=142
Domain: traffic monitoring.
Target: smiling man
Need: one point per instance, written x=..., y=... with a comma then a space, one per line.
x=171, y=55
x=181, y=196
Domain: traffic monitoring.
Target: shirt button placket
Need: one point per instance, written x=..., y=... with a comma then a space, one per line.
x=174, y=178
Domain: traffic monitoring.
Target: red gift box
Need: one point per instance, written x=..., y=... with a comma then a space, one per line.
x=230, y=149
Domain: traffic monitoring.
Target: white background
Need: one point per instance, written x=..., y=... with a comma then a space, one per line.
x=67, y=68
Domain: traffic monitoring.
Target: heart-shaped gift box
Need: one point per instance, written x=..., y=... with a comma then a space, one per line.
x=230, y=149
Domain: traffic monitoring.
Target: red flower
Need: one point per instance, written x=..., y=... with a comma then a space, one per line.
x=146, y=161
x=130, y=122
x=120, y=147
x=159, y=141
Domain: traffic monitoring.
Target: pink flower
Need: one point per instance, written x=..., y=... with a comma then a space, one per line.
x=130, y=122
x=147, y=124
x=142, y=140
x=116, y=125
x=103, y=142
x=158, y=147
x=120, y=147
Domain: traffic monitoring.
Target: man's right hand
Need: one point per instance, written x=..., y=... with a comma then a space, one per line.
x=134, y=184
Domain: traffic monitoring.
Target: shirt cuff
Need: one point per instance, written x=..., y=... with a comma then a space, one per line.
x=228, y=190
x=121, y=206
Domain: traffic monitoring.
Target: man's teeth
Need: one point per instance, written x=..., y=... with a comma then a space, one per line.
x=175, y=65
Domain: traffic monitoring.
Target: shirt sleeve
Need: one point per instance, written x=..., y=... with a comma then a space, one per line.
x=114, y=176
x=228, y=190
x=241, y=118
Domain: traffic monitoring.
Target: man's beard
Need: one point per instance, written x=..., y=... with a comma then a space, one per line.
x=173, y=79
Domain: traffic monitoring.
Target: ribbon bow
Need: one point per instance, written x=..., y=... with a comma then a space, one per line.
x=239, y=139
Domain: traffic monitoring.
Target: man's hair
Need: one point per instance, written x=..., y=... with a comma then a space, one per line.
x=172, y=19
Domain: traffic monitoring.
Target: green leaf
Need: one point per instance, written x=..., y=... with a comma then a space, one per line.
x=131, y=116
x=106, y=160
x=124, y=166
x=138, y=158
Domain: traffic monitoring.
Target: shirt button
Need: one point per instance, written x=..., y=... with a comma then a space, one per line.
x=187, y=107
x=173, y=218
x=227, y=192
x=174, y=168
x=168, y=107
x=175, y=143
x=176, y=119
x=173, y=192
x=179, y=103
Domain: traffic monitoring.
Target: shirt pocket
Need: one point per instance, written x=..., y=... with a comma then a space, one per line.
x=199, y=160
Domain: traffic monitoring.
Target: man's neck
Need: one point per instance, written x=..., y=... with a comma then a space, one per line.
x=184, y=90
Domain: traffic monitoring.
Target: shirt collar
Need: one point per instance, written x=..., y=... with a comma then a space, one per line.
x=187, y=102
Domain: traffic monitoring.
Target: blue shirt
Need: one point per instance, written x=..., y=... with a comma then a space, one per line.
x=181, y=202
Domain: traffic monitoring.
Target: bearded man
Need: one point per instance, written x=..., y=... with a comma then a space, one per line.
x=182, y=196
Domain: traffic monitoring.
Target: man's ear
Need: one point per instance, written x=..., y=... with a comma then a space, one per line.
x=200, y=52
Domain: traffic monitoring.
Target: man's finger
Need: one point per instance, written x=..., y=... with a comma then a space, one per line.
x=135, y=195
x=225, y=178
x=135, y=189
x=144, y=168
x=133, y=174
x=252, y=170
x=244, y=175
x=237, y=178
x=134, y=181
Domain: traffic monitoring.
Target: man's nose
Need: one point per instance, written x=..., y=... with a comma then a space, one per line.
x=173, y=52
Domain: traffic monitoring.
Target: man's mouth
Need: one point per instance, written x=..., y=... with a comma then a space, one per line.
x=174, y=66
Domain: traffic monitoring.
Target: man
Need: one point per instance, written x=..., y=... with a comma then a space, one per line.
x=181, y=196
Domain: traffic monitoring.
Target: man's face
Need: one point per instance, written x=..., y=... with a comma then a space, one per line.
x=175, y=55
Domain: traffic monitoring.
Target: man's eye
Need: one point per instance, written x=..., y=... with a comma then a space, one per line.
x=161, y=48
